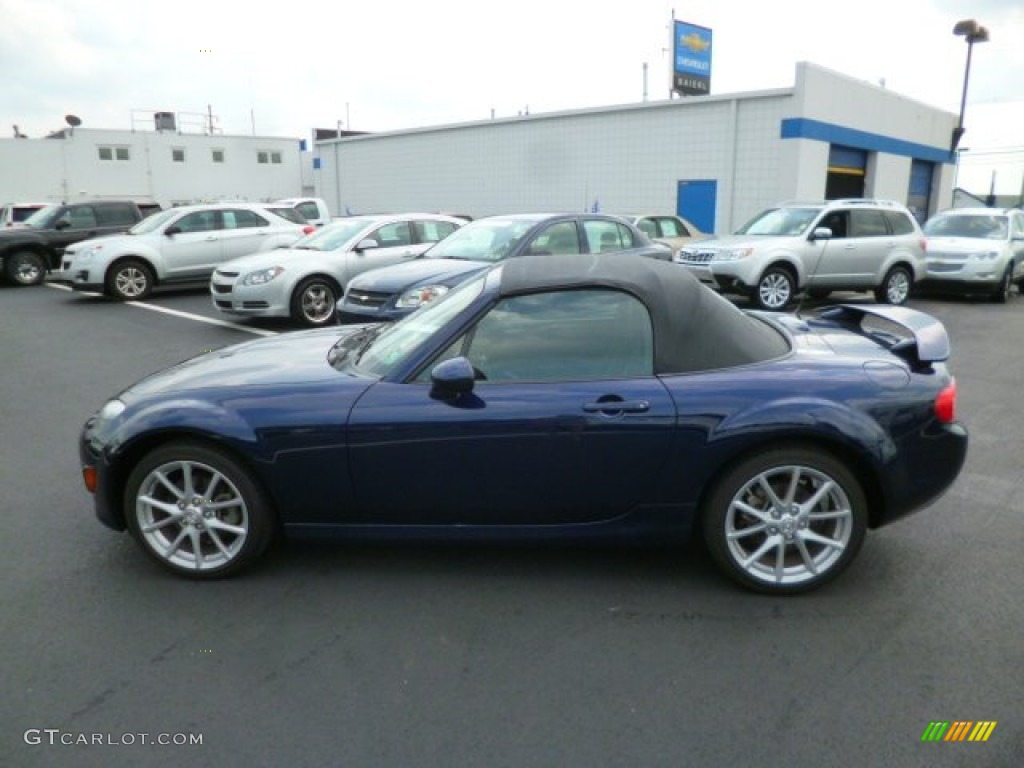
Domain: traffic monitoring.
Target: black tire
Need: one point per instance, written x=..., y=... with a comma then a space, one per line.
x=129, y=280
x=896, y=286
x=1001, y=294
x=217, y=508
x=741, y=520
x=25, y=268
x=775, y=289
x=313, y=301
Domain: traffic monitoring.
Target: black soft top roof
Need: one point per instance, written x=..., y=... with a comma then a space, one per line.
x=695, y=329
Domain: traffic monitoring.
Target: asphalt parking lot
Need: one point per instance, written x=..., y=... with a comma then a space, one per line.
x=346, y=655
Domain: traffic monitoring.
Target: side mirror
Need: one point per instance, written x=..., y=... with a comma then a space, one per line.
x=821, y=233
x=451, y=379
x=174, y=229
x=62, y=224
x=367, y=244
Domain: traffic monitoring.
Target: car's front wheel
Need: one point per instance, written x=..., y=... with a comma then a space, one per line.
x=895, y=288
x=197, y=511
x=25, y=268
x=313, y=302
x=786, y=520
x=1001, y=294
x=775, y=289
x=129, y=280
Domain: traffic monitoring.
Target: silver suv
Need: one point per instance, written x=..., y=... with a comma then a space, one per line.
x=838, y=245
x=976, y=250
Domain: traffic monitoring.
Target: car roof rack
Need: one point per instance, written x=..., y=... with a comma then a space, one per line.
x=865, y=201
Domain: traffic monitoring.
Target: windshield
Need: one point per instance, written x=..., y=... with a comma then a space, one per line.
x=780, y=222
x=484, y=240
x=404, y=337
x=332, y=236
x=154, y=222
x=963, y=225
x=44, y=217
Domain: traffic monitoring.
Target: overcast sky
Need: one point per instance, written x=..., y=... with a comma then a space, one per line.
x=392, y=64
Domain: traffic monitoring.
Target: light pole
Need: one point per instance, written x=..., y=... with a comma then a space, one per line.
x=973, y=33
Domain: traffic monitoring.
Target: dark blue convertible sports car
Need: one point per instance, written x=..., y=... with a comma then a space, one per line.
x=583, y=396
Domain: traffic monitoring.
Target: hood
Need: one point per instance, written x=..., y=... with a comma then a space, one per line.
x=279, y=257
x=962, y=245
x=730, y=241
x=398, y=277
x=122, y=241
x=291, y=358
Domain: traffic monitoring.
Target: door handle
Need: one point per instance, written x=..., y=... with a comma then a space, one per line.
x=611, y=407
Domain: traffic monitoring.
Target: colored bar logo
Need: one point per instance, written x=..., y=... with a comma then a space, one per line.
x=958, y=730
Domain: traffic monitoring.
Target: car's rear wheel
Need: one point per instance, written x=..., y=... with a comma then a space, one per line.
x=129, y=280
x=775, y=289
x=197, y=511
x=25, y=268
x=786, y=520
x=895, y=288
x=1001, y=294
x=313, y=302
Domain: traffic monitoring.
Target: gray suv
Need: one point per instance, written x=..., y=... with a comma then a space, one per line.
x=820, y=247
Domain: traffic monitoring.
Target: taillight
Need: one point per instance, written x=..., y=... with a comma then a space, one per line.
x=308, y=229
x=89, y=476
x=924, y=244
x=945, y=403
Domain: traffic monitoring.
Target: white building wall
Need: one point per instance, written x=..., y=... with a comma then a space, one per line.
x=630, y=158
x=59, y=169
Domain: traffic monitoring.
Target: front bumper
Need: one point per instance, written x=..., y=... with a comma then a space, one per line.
x=366, y=307
x=228, y=295
x=106, y=498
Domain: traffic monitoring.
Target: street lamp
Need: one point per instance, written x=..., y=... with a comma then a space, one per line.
x=973, y=33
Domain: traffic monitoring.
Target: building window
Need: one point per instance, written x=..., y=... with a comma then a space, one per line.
x=262, y=157
x=218, y=155
x=275, y=158
x=178, y=155
x=114, y=153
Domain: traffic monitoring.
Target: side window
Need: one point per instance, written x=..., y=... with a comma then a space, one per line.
x=432, y=231
x=200, y=221
x=80, y=217
x=115, y=215
x=672, y=227
x=605, y=236
x=309, y=210
x=1018, y=226
x=243, y=219
x=393, y=235
x=899, y=223
x=571, y=335
x=867, y=224
x=648, y=227
x=837, y=222
x=558, y=238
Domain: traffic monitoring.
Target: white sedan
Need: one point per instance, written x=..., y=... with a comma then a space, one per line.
x=305, y=281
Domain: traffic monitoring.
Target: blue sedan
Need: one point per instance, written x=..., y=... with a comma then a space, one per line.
x=577, y=397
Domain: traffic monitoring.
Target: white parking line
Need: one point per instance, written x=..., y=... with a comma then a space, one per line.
x=175, y=312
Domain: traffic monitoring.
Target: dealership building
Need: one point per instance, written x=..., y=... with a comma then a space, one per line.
x=715, y=159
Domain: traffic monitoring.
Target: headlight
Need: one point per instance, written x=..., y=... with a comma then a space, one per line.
x=112, y=409
x=262, y=276
x=416, y=297
x=733, y=254
x=86, y=253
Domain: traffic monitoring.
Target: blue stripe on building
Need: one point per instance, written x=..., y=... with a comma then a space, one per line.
x=805, y=128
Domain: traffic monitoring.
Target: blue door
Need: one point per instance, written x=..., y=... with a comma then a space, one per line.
x=919, y=195
x=696, y=200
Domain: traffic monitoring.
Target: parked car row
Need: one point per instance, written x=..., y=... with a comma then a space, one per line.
x=861, y=245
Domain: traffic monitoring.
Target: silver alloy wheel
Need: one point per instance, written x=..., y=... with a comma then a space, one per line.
x=26, y=270
x=191, y=515
x=131, y=282
x=775, y=290
x=317, y=303
x=788, y=525
x=897, y=287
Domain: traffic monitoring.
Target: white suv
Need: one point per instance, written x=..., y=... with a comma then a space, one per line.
x=180, y=245
x=848, y=245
